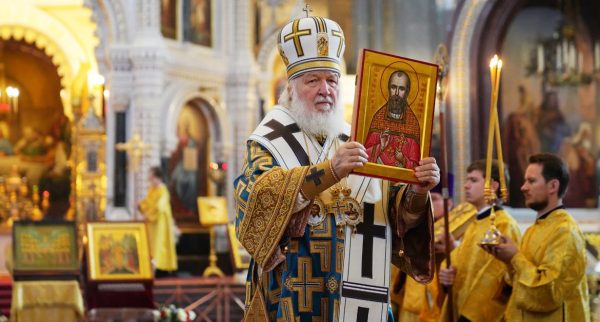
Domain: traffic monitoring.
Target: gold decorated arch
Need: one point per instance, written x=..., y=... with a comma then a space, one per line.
x=43, y=43
x=59, y=33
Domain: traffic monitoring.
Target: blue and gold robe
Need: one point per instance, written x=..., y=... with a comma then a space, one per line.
x=306, y=285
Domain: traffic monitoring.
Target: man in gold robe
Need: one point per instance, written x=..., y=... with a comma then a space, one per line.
x=156, y=207
x=475, y=276
x=547, y=271
x=323, y=263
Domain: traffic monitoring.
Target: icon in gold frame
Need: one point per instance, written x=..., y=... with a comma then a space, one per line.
x=118, y=251
x=393, y=113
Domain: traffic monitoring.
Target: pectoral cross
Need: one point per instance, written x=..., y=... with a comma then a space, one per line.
x=135, y=148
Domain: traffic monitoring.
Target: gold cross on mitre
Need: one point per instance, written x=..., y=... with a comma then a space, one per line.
x=135, y=148
x=307, y=9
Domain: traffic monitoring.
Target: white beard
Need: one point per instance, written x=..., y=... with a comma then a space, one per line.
x=327, y=123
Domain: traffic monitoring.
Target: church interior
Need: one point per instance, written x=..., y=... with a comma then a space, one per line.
x=94, y=94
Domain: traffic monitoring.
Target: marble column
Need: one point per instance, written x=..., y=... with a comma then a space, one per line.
x=117, y=104
x=147, y=55
x=241, y=98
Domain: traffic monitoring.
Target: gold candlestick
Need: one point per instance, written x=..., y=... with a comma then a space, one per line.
x=213, y=269
x=492, y=235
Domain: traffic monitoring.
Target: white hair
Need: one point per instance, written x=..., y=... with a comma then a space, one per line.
x=329, y=123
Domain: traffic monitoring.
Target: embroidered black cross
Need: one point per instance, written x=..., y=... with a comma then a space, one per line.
x=362, y=314
x=315, y=175
x=286, y=132
x=369, y=231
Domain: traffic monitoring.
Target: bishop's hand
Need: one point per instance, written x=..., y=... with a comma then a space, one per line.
x=349, y=156
x=428, y=175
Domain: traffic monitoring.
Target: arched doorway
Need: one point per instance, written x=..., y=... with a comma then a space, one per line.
x=35, y=132
x=187, y=166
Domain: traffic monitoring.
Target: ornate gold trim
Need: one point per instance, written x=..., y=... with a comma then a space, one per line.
x=44, y=43
x=269, y=211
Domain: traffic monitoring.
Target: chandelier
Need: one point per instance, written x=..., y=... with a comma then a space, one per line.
x=558, y=60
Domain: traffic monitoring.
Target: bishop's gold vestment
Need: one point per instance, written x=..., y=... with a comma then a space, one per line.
x=157, y=208
x=306, y=285
x=549, y=281
x=477, y=287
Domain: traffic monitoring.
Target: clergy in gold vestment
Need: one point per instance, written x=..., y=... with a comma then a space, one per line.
x=475, y=276
x=301, y=232
x=156, y=207
x=547, y=270
x=418, y=302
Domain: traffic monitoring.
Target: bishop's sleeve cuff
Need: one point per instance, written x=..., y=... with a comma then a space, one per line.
x=319, y=178
x=415, y=206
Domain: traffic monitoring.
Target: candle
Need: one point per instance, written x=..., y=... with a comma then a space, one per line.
x=491, y=124
x=494, y=130
x=498, y=138
x=580, y=62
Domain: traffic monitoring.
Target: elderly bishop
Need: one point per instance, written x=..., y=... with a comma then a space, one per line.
x=321, y=239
